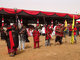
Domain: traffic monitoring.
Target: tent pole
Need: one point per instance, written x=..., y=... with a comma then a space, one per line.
x=44, y=20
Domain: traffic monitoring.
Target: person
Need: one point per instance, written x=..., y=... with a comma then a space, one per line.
x=53, y=33
x=43, y=30
x=48, y=36
x=59, y=33
x=22, y=37
x=65, y=31
x=70, y=30
x=79, y=31
x=36, y=35
x=12, y=40
x=3, y=34
x=75, y=29
x=31, y=32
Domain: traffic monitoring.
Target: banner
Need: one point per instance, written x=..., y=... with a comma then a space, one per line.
x=65, y=25
x=72, y=37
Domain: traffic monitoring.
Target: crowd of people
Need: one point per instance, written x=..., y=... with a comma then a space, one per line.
x=16, y=37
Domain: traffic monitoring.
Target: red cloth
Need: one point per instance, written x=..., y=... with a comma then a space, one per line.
x=45, y=29
x=70, y=28
x=12, y=50
x=57, y=31
x=11, y=39
x=75, y=16
x=48, y=36
x=31, y=12
x=36, y=35
x=2, y=21
x=12, y=11
x=79, y=28
x=48, y=32
x=61, y=14
x=2, y=24
x=52, y=26
x=48, y=13
x=36, y=44
x=75, y=29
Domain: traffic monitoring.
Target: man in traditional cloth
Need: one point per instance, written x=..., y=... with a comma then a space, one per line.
x=59, y=33
x=36, y=35
x=12, y=40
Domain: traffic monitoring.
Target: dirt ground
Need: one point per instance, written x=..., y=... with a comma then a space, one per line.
x=66, y=51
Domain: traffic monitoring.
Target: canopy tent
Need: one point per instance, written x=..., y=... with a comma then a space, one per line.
x=30, y=14
x=78, y=21
x=36, y=13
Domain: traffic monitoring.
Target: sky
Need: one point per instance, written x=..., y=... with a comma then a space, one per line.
x=62, y=6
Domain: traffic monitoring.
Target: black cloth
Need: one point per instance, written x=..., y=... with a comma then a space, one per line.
x=3, y=36
x=58, y=39
x=70, y=32
x=25, y=35
x=15, y=39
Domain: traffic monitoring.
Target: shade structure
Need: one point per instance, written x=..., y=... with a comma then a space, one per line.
x=37, y=13
x=78, y=21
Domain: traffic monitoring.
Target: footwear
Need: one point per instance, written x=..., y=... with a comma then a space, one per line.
x=14, y=53
x=75, y=41
x=11, y=55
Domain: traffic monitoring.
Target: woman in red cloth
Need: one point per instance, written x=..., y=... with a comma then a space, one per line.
x=12, y=40
x=36, y=35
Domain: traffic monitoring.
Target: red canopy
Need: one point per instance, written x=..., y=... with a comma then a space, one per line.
x=30, y=12
x=48, y=13
x=11, y=11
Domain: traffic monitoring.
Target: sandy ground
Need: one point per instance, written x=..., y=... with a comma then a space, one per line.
x=66, y=51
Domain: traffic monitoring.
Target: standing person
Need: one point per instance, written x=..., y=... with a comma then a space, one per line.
x=43, y=30
x=59, y=33
x=79, y=31
x=12, y=40
x=22, y=37
x=75, y=29
x=36, y=35
x=3, y=35
x=48, y=37
x=70, y=30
